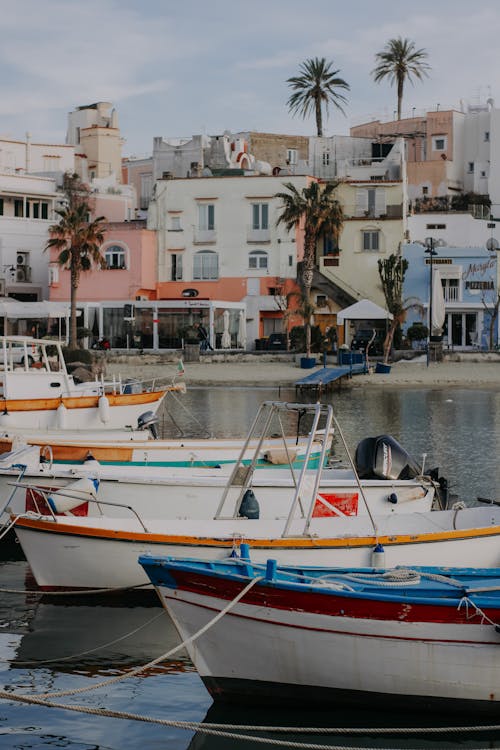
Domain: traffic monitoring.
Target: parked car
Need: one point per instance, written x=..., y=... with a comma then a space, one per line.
x=277, y=341
x=363, y=337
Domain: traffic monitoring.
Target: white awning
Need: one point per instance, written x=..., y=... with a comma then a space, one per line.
x=11, y=308
x=365, y=309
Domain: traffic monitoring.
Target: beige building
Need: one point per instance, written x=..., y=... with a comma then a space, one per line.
x=93, y=130
x=434, y=150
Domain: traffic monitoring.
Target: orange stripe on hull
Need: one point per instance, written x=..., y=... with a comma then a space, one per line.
x=288, y=543
x=79, y=402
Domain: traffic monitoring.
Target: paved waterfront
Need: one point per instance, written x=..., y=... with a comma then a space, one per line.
x=480, y=370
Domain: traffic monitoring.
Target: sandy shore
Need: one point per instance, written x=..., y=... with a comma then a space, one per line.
x=264, y=373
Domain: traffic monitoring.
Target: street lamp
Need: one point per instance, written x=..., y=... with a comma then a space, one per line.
x=430, y=245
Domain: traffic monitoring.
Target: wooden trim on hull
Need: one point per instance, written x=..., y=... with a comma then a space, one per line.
x=79, y=402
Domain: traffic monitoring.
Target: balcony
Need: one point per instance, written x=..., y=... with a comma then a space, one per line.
x=258, y=235
x=204, y=236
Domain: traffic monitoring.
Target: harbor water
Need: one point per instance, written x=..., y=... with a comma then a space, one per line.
x=52, y=643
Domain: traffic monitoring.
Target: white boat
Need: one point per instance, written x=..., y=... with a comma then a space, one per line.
x=26, y=484
x=195, y=493
x=86, y=552
x=38, y=393
x=77, y=552
x=428, y=637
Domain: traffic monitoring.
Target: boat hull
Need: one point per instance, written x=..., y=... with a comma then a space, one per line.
x=80, y=412
x=175, y=493
x=300, y=653
x=82, y=553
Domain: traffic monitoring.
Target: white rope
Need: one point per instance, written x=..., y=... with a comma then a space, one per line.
x=221, y=730
x=154, y=662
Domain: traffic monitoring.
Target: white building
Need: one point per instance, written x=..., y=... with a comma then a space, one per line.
x=217, y=238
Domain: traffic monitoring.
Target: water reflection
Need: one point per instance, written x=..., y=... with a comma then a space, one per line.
x=360, y=718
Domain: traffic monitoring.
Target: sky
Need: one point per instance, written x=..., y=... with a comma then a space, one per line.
x=185, y=67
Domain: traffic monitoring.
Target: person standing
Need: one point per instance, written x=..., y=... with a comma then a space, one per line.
x=203, y=338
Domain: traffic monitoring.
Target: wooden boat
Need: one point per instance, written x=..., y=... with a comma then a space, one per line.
x=429, y=637
x=169, y=492
x=38, y=393
x=76, y=552
x=298, y=521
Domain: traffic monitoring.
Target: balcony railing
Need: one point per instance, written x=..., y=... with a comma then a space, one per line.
x=258, y=235
x=204, y=236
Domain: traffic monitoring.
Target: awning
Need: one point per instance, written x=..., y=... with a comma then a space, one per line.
x=11, y=308
x=365, y=309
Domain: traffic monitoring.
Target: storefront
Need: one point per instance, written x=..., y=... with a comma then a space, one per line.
x=165, y=324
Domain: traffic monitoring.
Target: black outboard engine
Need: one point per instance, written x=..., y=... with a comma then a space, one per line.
x=382, y=457
x=149, y=421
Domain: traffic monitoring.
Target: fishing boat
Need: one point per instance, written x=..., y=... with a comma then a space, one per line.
x=69, y=551
x=168, y=492
x=86, y=553
x=38, y=393
x=426, y=637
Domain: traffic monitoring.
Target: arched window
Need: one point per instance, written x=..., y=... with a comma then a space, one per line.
x=257, y=259
x=115, y=257
x=205, y=265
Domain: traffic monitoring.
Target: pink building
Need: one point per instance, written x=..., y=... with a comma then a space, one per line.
x=130, y=253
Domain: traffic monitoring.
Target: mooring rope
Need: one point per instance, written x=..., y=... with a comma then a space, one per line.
x=154, y=662
x=226, y=730
x=76, y=592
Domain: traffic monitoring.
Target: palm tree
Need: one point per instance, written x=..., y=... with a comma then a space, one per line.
x=78, y=240
x=399, y=61
x=320, y=213
x=316, y=85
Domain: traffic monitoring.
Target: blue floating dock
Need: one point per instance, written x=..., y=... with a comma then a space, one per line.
x=328, y=375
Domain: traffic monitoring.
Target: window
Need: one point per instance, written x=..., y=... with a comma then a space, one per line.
x=483, y=173
x=257, y=259
x=18, y=207
x=175, y=224
x=439, y=143
x=435, y=226
x=326, y=158
x=321, y=300
x=371, y=241
x=487, y=135
x=115, y=258
x=176, y=267
x=53, y=275
x=470, y=167
x=291, y=156
x=260, y=216
x=330, y=245
x=425, y=190
x=290, y=260
x=206, y=216
x=206, y=265
x=1, y=206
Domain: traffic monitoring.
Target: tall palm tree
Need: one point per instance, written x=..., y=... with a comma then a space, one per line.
x=400, y=61
x=78, y=240
x=316, y=85
x=316, y=208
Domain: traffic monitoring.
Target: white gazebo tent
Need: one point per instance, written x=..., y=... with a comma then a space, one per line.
x=12, y=309
x=365, y=309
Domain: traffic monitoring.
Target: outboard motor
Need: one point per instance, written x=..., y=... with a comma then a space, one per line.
x=382, y=457
x=149, y=421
